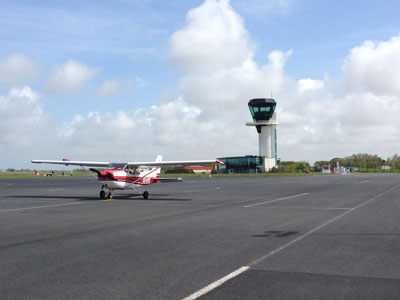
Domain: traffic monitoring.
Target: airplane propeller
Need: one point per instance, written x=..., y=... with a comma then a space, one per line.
x=110, y=176
x=95, y=171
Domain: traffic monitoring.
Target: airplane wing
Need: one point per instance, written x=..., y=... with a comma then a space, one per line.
x=132, y=164
x=80, y=163
x=174, y=163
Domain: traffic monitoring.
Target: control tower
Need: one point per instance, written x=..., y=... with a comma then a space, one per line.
x=264, y=119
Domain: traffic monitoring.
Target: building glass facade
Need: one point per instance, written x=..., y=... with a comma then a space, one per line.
x=241, y=164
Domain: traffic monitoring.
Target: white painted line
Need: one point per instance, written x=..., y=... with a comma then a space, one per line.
x=216, y=284
x=221, y=281
x=56, y=190
x=205, y=190
x=363, y=181
x=37, y=207
x=311, y=207
x=275, y=200
x=277, y=250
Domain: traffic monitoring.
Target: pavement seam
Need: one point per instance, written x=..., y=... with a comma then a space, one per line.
x=277, y=250
x=243, y=269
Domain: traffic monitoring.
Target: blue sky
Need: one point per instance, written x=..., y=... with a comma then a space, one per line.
x=126, y=48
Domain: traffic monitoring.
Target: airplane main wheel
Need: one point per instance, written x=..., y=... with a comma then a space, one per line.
x=102, y=194
x=146, y=195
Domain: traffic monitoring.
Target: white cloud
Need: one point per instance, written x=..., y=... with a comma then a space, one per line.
x=308, y=84
x=112, y=87
x=69, y=77
x=172, y=129
x=18, y=69
x=109, y=87
x=21, y=118
x=374, y=67
x=319, y=119
x=213, y=38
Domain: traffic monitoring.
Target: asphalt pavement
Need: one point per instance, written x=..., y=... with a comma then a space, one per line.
x=304, y=237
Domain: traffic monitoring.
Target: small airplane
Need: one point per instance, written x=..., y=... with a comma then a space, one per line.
x=131, y=175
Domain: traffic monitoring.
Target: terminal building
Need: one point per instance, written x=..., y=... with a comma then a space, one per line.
x=264, y=120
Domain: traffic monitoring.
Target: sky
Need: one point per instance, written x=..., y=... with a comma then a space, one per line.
x=128, y=79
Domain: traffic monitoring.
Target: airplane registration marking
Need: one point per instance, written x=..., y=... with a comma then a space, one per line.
x=275, y=200
x=146, y=180
x=37, y=207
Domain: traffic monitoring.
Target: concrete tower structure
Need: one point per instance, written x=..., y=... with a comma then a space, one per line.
x=264, y=119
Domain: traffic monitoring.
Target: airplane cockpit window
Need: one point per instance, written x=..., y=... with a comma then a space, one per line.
x=132, y=170
x=144, y=169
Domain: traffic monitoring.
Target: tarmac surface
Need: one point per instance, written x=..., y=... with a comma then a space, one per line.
x=306, y=237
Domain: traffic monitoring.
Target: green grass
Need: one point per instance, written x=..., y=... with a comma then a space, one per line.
x=31, y=174
x=376, y=170
x=243, y=175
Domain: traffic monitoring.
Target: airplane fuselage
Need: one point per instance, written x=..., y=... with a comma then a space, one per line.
x=118, y=179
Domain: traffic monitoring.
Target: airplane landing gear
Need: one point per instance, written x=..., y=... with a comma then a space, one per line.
x=103, y=194
x=145, y=195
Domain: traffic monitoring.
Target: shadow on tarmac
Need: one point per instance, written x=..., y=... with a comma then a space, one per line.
x=276, y=233
x=134, y=197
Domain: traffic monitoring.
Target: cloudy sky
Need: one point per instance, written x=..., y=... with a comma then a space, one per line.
x=127, y=80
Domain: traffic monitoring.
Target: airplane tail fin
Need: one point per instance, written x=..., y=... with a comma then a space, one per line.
x=157, y=173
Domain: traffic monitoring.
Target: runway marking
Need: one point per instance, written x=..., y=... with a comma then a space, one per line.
x=56, y=190
x=275, y=200
x=219, y=282
x=205, y=190
x=363, y=181
x=216, y=284
x=311, y=207
x=37, y=207
x=277, y=250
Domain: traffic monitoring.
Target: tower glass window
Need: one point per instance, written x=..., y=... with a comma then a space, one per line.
x=262, y=108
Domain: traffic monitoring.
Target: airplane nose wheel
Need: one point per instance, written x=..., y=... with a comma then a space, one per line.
x=146, y=195
x=102, y=194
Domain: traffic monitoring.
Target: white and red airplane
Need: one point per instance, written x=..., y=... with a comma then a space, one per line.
x=131, y=175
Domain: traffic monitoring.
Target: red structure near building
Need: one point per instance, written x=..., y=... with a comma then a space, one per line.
x=198, y=169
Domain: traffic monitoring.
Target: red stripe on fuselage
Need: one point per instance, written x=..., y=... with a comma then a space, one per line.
x=110, y=175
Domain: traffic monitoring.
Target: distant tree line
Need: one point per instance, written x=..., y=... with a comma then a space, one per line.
x=291, y=167
x=362, y=161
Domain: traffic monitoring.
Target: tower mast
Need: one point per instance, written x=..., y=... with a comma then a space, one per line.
x=264, y=119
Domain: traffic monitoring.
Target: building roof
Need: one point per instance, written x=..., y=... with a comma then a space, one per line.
x=198, y=168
